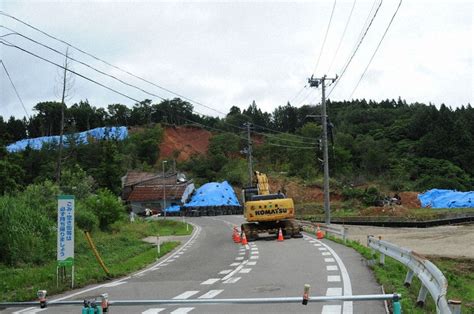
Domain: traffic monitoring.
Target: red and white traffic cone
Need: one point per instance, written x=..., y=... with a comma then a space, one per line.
x=280, y=236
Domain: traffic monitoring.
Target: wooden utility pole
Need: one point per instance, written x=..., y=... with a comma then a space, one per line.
x=61, y=131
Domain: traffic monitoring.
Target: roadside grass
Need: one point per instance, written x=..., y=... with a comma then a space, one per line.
x=122, y=250
x=458, y=272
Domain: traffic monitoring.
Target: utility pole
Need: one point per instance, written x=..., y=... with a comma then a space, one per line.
x=61, y=131
x=249, y=153
x=315, y=82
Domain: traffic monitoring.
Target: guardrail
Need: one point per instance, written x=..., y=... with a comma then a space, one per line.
x=333, y=229
x=432, y=279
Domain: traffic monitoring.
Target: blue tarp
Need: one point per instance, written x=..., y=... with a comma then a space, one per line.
x=172, y=209
x=118, y=133
x=214, y=194
x=437, y=198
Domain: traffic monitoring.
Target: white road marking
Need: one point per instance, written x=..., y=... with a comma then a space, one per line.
x=242, y=253
x=225, y=272
x=329, y=260
x=317, y=244
x=232, y=280
x=254, y=249
x=185, y=295
x=29, y=310
x=239, y=258
x=182, y=310
x=114, y=284
x=332, y=292
x=210, y=281
x=331, y=309
x=312, y=241
x=172, y=260
x=331, y=267
x=237, y=269
x=252, y=263
x=153, y=311
x=322, y=249
x=326, y=253
x=210, y=294
x=245, y=270
x=254, y=257
x=335, y=278
x=165, y=264
x=254, y=252
x=234, y=264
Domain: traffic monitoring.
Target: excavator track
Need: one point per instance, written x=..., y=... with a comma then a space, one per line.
x=289, y=227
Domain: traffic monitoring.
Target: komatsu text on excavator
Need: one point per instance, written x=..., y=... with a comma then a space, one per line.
x=267, y=213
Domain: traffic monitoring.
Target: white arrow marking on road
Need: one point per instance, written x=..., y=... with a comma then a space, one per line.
x=332, y=292
x=211, y=294
x=331, y=309
x=183, y=310
x=153, y=311
x=185, y=295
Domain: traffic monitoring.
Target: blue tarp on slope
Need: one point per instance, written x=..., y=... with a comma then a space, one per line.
x=437, y=198
x=214, y=194
x=119, y=133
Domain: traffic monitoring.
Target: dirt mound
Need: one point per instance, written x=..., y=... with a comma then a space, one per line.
x=181, y=142
x=410, y=199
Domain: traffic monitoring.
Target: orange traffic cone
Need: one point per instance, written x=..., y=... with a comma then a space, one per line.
x=237, y=238
x=280, y=236
x=244, y=239
x=234, y=233
x=319, y=233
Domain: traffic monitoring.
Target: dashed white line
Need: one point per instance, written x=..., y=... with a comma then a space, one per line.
x=332, y=292
x=234, y=264
x=210, y=294
x=241, y=253
x=322, y=249
x=331, y=309
x=185, y=295
x=254, y=257
x=331, y=267
x=334, y=278
x=153, y=311
x=254, y=249
x=114, y=284
x=239, y=258
x=329, y=260
x=326, y=253
x=225, y=272
x=232, y=280
x=245, y=270
x=210, y=281
x=182, y=310
x=252, y=263
x=317, y=244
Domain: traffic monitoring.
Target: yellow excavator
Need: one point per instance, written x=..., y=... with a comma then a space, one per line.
x=267, y=213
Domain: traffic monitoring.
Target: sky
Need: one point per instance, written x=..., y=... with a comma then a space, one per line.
x=230, y=53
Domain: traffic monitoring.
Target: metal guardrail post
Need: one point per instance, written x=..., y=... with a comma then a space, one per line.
x=345, y=234
x=408, y=278
x=455, y=306
x=382, y=259
x=420, y=301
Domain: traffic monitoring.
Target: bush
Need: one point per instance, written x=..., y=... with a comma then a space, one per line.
x=26, y=234
x=86, y=220
x=106, y=206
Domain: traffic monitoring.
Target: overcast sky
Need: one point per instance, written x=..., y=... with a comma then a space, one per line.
x=230, y=53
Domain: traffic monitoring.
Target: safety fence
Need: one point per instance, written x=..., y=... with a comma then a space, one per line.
x=337, y=230
x=101, y=304
x=432, y=279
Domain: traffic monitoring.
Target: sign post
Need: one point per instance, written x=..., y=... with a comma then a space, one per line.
x=65, y=249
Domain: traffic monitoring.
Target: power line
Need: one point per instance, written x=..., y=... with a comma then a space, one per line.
x=129, y=73
x=376, y=49
x=14, y=88
x=342, y=37
x=356, y=49
x=325, y=37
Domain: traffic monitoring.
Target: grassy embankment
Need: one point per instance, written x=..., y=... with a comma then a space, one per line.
x=122, y=250
x=458, y=272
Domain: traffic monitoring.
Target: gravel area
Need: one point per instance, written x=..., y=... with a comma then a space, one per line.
x=450, y=241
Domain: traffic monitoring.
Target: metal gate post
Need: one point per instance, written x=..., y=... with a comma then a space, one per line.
x=455, y=306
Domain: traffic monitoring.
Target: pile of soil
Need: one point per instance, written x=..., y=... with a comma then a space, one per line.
x=181, y=142
x=410, y=199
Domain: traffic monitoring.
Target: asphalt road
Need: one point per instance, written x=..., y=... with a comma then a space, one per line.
x=208, y=265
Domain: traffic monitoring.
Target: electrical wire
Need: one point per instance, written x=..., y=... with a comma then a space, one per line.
x=325, y=37
x=342, y=37
x=376, y=49
x=129, y=73
x=356, y=49
x=14, y=88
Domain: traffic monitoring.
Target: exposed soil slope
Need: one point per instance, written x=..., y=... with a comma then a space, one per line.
x=181, y=142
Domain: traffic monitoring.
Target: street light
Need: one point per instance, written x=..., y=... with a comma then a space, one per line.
x=164, y=188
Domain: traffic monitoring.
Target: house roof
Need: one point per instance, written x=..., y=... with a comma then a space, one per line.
x=155, y=192
x=148, y=178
